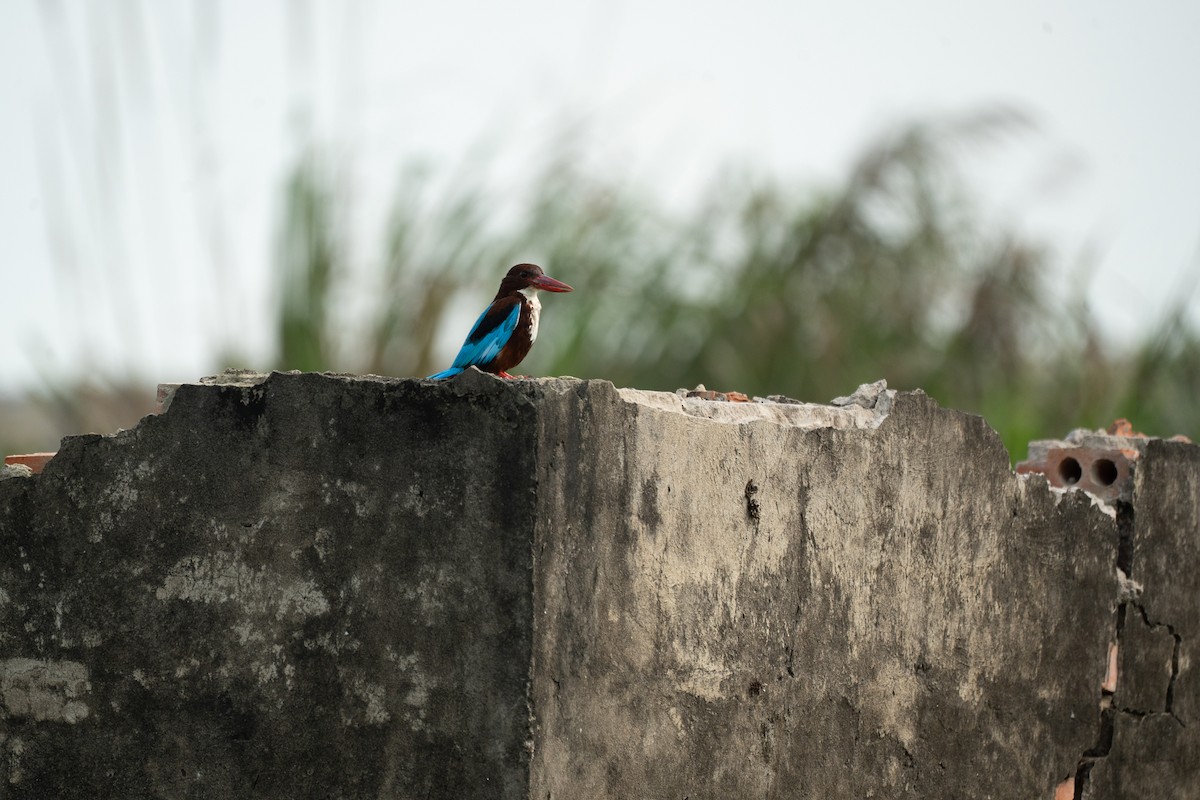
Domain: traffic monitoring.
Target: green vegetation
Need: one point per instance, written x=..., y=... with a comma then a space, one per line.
x=765, y=288
x=762, y=287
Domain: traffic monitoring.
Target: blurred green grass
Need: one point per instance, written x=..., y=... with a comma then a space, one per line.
x=763, y=287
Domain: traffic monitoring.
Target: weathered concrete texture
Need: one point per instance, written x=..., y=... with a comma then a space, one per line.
x=322, y=586
x=304, y=588
x=1155, y=721
x=774, y=610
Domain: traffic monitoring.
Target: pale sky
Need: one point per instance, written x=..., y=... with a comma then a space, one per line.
x=145, y=142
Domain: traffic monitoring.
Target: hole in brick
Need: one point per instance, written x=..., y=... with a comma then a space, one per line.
x=1069, y=471
x=1104, y=471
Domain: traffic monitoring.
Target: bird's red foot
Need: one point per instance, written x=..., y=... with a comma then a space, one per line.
x=504, y=374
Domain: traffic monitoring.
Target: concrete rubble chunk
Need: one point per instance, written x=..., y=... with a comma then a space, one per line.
x=15, y=471
x=309, y=586
x=799, y=415
x=868, y=395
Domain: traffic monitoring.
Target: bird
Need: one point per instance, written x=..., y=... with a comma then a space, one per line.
x=508, y=327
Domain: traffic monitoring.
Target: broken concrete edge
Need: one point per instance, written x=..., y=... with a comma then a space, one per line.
x=870, y=406
x=867, y=407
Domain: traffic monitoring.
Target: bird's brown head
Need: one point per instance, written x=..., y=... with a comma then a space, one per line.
x=526, y=276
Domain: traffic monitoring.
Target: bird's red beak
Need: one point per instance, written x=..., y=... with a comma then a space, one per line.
x=546, y=283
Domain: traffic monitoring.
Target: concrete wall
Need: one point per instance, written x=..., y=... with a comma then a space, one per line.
x=323, y=586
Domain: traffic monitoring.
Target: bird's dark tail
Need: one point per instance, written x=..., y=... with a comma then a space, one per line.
x=446, y=373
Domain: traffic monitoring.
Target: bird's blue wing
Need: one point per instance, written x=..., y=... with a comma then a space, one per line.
x=489, y=334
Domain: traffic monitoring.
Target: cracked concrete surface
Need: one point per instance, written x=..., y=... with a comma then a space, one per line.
x=1150, y=745
x=1149, y=653
x=315, y=586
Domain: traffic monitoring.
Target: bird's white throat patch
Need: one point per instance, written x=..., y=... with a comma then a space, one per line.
x=535, y=311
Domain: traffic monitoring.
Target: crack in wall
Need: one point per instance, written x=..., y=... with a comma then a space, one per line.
x=1130, y=593
x=1104, y=738
x=1176, y=644
x=1174, y=675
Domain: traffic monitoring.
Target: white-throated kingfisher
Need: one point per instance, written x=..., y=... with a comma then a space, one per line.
x=507, y=328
